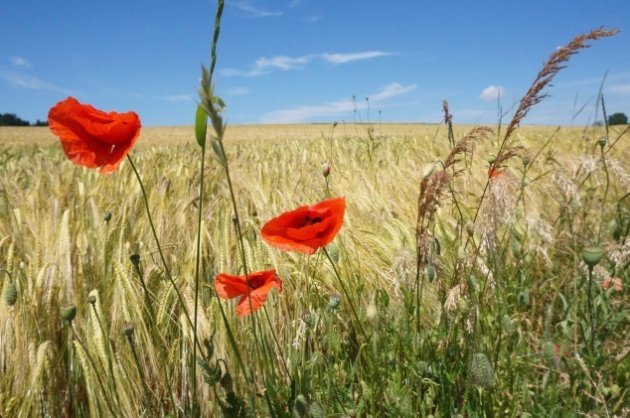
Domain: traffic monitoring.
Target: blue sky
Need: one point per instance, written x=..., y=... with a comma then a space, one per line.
x=286, y=61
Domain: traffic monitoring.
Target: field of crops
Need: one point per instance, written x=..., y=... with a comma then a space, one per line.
x=505, y=318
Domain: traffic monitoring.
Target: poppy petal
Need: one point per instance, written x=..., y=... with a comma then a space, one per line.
x=228, y=286
x=258, y=298
x=91, y=137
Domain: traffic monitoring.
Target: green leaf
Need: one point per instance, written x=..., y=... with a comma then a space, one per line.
x=201, y=126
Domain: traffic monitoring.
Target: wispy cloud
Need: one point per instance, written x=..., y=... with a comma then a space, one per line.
x=309, y=112
x=176, y=98
x=312, y=19
x=295, y=3
x=248, y=10
x=619, y=89
x=238, y=91
x=266, y=65
x=25, y=81
x=491, y=93
x=352, y=57
x=19, y=62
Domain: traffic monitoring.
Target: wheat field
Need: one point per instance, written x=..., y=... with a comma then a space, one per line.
x=507, y=291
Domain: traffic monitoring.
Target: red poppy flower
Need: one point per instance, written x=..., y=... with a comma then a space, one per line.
x=306, y=228
x=260, y=283
x=92, y=137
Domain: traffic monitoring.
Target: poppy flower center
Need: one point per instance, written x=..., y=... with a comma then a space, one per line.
x=256, y=282
x=310, y=221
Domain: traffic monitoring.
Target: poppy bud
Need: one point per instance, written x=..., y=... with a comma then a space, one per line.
x=470, y=228
x=592, y=255
x=333, y=302
x=10, y=294
x=481, y=372
x=602, y=141
x=226, y=382
x=523, y=297
x=430, y=272
x=135, y=259
x=326, y=170
x=107, y=216
x=300, y=407
x=91, y=300
x=507, y=324
x=128, y=329
x=525, y=159
x=315, y=410
x=68, y=313
x=491, y=159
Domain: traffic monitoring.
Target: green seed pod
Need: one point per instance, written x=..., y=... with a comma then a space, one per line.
x=135, y=259
x=507, y=324
x=333, y=302
x=128, y=329
x=68, y=313
x=107, y=216
x=523, y=297
x=602, y=141
x=430, y=272
x=10, y=294
x=481, y=372
x=333, y=252
x=300, y=407
x=91, y=299
x=315, y=410
x=516, y=249
x=491, y=159
x=308, y=319
x=592, y=255
x=525, y=159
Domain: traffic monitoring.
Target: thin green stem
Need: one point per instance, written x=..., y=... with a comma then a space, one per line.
x=157, y=242
x=603, y=209
x=197, y=268
x=136, y=359
x=346, y=293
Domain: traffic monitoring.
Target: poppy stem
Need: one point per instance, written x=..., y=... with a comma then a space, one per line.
x=157, y=242
x=345, y=292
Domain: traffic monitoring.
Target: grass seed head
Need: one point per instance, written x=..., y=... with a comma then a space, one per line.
x=128, y=329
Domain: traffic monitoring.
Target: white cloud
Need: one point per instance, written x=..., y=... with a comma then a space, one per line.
x=308, y=112
x=491, y=93
x=20, y=62
x=20, y=80
x=254, y=12
x=295, y=3
x=356, y=56
x=177, y=98
x=238, y=91
x=619, y=89
x=266, y=65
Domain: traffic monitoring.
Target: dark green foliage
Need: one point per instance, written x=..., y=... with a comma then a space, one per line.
x=618, y=119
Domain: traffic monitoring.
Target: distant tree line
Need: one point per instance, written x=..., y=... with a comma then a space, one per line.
x=10, y=119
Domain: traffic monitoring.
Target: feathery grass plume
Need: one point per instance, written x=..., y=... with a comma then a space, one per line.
x=433, y=187
x=553, y=65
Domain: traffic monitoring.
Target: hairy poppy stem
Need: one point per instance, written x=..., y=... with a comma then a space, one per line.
x=346, y=293
x=157, y=240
